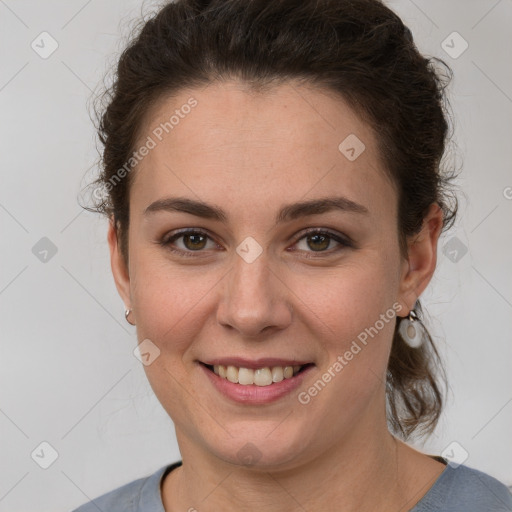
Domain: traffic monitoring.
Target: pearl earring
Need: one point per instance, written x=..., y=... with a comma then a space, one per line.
x=411, y=330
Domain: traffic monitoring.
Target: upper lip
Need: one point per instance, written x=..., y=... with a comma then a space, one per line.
x=254, y=364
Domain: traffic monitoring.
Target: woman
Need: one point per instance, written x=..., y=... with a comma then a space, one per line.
x=272, y=179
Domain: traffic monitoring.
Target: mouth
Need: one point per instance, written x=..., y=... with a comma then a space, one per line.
x=260, y=376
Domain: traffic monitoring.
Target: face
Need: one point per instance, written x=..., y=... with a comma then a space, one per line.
x=256, y=242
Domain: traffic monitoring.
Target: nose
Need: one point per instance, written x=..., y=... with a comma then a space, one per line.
x=254, y=300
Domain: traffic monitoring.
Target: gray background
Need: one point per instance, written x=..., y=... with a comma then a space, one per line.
x=68, y=374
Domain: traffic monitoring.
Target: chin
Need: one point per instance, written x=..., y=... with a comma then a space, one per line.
x=261, y=450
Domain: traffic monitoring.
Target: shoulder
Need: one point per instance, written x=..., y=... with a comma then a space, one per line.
x=121, y=499
x=140, y=495
x=463, y=488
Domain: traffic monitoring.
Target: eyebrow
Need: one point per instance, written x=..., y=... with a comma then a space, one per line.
x=286, y=213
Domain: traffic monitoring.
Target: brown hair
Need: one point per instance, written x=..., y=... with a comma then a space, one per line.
x=359, y=49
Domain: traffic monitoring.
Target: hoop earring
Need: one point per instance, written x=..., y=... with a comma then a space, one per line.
x=411, y=330
x=126, y=313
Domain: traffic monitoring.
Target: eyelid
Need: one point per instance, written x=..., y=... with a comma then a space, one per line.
x=339, y=237
x=342, y=239
x=185, y=231
x=171, y=237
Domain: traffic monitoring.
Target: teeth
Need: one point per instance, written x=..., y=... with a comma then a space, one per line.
x=277, y=374
x=232, y=374
x=260, y=377
x=245, y=376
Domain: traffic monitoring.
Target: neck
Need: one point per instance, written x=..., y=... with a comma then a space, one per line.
x=358, y=474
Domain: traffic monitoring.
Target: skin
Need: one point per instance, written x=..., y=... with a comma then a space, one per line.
x=250, y=154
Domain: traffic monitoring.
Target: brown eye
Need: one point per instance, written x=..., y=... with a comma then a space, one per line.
x=322, y=242
x=318, y=242
x=195, y=241
x=188, y=242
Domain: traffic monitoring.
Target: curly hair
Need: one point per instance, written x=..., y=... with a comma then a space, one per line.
x=358, y=49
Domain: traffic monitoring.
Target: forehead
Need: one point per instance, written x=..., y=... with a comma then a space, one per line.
x=280, y=145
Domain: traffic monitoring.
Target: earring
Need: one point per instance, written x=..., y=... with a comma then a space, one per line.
x=126, y=313
x=411, y=330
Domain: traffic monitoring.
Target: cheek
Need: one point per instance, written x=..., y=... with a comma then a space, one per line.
x=352, y=314
x=169, y=302
x=355, y=314
x=347, y=300
x=172, y=309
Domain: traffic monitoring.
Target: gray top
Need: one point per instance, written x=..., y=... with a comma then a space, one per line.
x=457, y=489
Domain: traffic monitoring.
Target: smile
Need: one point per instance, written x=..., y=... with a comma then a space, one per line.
x=260, y=377
x=265, y=382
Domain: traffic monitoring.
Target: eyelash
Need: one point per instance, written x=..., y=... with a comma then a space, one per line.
x=342, y=240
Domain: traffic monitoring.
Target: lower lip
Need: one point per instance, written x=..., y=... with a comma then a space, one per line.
x=252, y=394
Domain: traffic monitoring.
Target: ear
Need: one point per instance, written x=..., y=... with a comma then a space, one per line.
x=421, y=261
x=118, y=265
